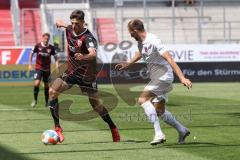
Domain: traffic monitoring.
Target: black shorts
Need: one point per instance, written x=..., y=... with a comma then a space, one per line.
x=42, y=75
x=85, y=86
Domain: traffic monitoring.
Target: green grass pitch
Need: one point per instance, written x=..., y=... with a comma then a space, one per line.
x=210, y=110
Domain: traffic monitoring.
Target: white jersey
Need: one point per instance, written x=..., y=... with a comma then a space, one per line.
x=152, y=49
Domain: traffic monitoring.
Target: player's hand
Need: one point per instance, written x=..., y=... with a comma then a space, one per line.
x=60, y=23
x=29, y=67
x=78, y=56
x=122, y=66
x=186, y=82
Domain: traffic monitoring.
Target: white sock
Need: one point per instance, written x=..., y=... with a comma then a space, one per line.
x=151, y=113
x=172, y=121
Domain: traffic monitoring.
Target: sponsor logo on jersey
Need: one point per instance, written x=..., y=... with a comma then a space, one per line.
x=147, y=48
x=91, y=44
x=72, y=49
x=44, y=54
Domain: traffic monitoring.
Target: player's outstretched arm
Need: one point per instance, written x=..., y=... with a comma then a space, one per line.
x=186, y=82
x=125, y=65
x=57, y=63
x=60, y=23
x=30, y=61
x=92, y=55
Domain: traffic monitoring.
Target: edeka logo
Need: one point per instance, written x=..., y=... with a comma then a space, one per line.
x=16, y=76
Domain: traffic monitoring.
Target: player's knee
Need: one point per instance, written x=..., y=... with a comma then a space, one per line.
x=142, y=100
x=36, y=84
x=52, y=93
x=160, y=111
x=101, y=110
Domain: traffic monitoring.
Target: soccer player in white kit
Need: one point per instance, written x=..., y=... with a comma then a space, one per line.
x=160, y=65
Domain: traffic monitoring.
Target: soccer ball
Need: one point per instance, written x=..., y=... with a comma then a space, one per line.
x=50, y=137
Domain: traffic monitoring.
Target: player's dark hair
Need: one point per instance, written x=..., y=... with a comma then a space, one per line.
x=78, y=14
x=136, y=24
x=46, y=34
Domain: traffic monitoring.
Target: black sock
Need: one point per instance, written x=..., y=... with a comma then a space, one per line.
x=103, y=112
x=46, y=94
x=108, y=120
x=54, y=111
x=36, y=91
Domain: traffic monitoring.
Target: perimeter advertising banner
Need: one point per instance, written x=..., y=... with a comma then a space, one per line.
x=13, y=68
x=181, y=53
x=200, y=63
x=15, y=75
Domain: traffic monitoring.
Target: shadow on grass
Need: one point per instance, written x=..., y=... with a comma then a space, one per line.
x=102, y=142
x=123, y=129
x=6, y=154
x=233, y=115
x=162, y=146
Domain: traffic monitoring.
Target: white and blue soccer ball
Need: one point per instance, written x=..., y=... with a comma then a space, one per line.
x=50, y=137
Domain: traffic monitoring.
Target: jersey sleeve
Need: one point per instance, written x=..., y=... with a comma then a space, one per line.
x=35, y=49
x=68, y=32
x=69, y=28
x=91, y=42
x=54, y=52
x=160, y=47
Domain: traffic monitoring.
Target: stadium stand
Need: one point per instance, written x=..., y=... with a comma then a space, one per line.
x=106, y=30
x=6, y=31
x=216, y=22
x=30, y=22
x=190, y=25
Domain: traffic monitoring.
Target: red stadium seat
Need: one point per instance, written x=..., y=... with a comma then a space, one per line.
x=28, y=4
x=106, y=30
x=6, y=30
x=30, y=22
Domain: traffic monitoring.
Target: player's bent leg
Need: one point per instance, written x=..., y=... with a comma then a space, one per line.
x=102, y=111
x=45, y=79
x=145, y=101
x=145, y=96
x=54, y=109
x=35, y=92
x=159, y=106
x=56, y=88
x=46, y=93
x=172, y=121
x=168, y=118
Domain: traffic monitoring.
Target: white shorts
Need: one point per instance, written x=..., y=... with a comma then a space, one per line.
x=160, y=89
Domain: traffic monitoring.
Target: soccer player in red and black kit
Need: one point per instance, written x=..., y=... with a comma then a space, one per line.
x=44, y=51
x=81, y=71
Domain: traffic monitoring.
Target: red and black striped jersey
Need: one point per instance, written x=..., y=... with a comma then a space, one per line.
x=43, y=57
x=80, y=44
